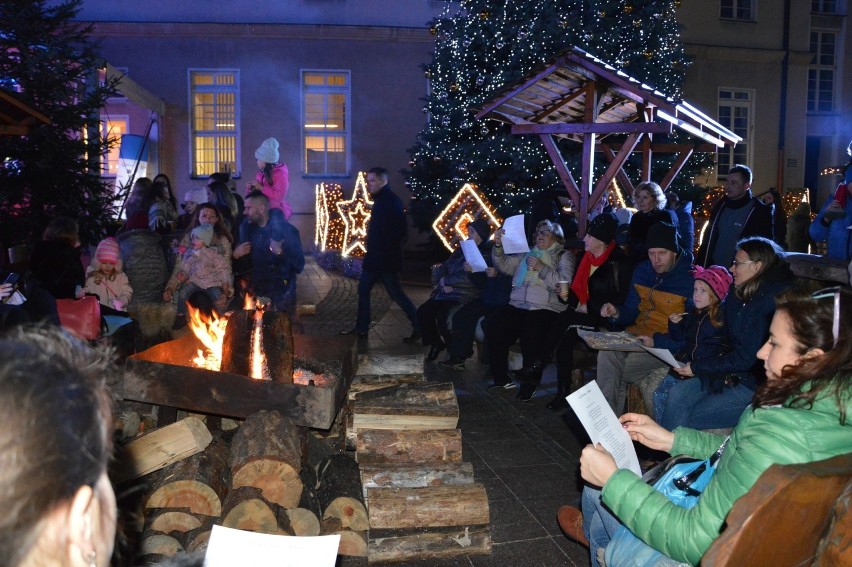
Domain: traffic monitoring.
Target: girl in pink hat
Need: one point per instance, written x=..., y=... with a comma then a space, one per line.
x=105, y=277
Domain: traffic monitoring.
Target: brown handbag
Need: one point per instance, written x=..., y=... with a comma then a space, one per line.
x=81, y=317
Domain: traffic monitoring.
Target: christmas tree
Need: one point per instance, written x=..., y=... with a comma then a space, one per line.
x=49, y=63
x=483, y=45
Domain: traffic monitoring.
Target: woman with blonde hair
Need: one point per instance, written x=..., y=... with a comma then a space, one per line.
x=651, y=208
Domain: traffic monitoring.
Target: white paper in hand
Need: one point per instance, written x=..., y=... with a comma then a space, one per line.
x=229, y=547
x=515, y=239
x=473, y=256
x=665, y=355
x=603, y=426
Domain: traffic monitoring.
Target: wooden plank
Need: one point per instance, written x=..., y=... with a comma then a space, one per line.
x=430, y=507
x=374, y=446
x=160, y=448
x=594, y=128
x=423, y=544
x=408, y=406
x=418, y=475
x=399, y=368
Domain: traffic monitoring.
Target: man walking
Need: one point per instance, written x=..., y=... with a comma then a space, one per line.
x=383, y=260
x=737, y=216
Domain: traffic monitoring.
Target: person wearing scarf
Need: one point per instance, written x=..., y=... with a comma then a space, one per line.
x=603, y=276
x=533, y=305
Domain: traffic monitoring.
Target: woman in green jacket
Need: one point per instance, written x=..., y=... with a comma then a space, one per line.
x=799, y=415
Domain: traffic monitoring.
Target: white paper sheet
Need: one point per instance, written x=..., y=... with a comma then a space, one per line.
x=603, y=426
x=229, y=547
x=473, y=256
x=663, y=354
x=515, y=239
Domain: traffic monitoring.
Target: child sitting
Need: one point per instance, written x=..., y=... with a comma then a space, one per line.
x=106, y=279
x=199, y=268
x=694, y=335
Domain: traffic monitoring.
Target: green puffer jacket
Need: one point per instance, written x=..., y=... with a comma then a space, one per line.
x=762, y=437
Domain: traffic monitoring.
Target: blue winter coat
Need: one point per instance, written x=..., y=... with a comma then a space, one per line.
x=839, y=237
x=693, y=337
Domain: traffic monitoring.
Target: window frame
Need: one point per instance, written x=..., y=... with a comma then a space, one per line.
x=345, y=134
x=815, y=70
x=824, y=7
x=236, y=132
x=728, y=151
x=105, y=158
x=735, y=7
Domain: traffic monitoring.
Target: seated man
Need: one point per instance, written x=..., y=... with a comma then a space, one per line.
x=661, y=286
x=274, y=248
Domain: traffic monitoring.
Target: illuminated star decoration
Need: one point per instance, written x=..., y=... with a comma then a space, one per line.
x=329, y=228
x=467, y=205
x=356, y=215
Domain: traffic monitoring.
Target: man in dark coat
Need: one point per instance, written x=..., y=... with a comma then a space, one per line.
x=733, y=218
x=383, y=260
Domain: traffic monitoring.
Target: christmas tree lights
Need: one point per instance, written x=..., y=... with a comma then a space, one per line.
x=467, y=205
x=355, y=214
x=481, y=46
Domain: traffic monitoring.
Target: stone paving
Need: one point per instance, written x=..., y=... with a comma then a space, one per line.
x=524, y=454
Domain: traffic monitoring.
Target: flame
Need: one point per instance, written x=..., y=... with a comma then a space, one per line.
x=211, y=332
x=259, y=370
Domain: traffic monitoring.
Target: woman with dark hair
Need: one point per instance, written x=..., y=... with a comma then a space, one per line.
x=221, y=197
x=533, y=305
x=58, y=505
x=137, y=205
x=726, y=383
x=162, y=214
x=800, y=414
x=650, y=203
x=272, y=179
x=55, y=260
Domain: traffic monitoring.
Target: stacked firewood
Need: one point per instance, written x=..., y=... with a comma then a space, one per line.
x=421, y=496
x=259, y=481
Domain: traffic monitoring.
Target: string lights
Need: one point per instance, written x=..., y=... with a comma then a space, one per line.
x=355, y=214
x=467, y=205
x=330, y=229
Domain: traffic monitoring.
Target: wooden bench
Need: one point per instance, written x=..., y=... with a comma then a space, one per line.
x=793, y=515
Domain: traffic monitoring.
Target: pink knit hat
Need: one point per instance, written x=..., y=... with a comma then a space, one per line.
x=108, y=251
x=717, y=277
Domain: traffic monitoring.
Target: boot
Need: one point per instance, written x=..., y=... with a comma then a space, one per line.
x=562, y=389
x=530, y=374
x=571, y=521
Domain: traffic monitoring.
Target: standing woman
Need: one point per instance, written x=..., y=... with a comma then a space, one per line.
x=56, y=262
x=162, y=215
x=727, y=382
x=650, y=203
x=603, y=276
x=273, y=179
x=223, y=200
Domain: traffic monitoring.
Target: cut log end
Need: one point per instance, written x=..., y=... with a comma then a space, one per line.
x=351, y=513
x=192, y=494
x=279, y=481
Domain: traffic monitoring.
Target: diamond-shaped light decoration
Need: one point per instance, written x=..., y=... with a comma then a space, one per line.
x=468, y=204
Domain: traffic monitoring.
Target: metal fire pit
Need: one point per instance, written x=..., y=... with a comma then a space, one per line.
x=163, y=375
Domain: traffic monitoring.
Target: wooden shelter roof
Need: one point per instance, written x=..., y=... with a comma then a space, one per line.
x=582, y=98
x=16, y=117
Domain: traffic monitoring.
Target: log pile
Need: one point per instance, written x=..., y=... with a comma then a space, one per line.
x=422, y=500
x=259, y=481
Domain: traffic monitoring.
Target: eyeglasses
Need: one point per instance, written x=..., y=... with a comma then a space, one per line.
x=543, y=232
x=737, y=264
x=833, y=292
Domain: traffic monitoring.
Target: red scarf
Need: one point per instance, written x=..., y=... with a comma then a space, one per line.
x=580, y=285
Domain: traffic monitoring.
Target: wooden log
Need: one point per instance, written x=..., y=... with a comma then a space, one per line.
x=375, y=446
x=168, y=520
x=352, y=544
x=379, y=367
x=310, y=498
x=430, y=507
x=298, y=521
x=408, y=406
x=245, y=508
x=415, y=476
x=160, y=448
x=266, y=454
x=198, y=482
x=340, y=493
x=276, y=339
x=156, y=543
x=394, y=546
x=197, y=540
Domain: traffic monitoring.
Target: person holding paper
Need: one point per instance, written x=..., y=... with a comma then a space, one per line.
x=452, y=290
x=494, y=289
x=661, y=286
x=695, y=335
x=603, y=276
x=727, y=381
x=533, y=304
x=800, y=414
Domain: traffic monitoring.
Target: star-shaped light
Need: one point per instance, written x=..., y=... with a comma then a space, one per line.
x=356, y=215
x=329, y=228
x=468, y=204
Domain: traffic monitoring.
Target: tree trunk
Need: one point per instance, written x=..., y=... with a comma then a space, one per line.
x=340, y=493
x=377, y=446
x=198, y=482
x=266, y=454
x=432, y=507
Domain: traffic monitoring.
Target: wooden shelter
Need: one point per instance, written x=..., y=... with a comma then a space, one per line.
x=580, y=97
x=16, y=117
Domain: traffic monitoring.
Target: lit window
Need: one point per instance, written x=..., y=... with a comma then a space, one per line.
x=325, y=122
x=821, y=72
x=736, y=9
x=214, y=122
x=112, y=128
x=735, y=114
